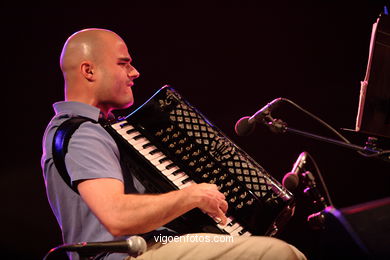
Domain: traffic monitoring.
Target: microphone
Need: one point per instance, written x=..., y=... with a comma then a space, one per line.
x=291, y=180
x=134, y=246
x=246, y=125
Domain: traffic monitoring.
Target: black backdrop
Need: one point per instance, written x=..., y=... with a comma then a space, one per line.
x=228, y=62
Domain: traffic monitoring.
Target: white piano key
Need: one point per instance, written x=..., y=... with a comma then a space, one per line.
x=178, y=181
x=140, y=145
x=131, y=135
x=180, y=175
x=156, y=161
x=141, y=141
x=170, y=170
x=238, y=230
x=123, y=131
x=246, y=234
x=117, y=126
x=152, y=157
x=229, y=220
x=122, y=125
x=235, y=233
x=162, y=166
x=232, y=229
x=147, y=150
x=128, y=138
x=189, y=183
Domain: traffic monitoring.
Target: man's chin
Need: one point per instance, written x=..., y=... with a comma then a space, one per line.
x=125, y=105
x=129, y=104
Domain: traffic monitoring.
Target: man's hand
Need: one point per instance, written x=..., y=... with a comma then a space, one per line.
x=210, y=200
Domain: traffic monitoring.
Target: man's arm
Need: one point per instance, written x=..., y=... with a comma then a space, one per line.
x=125, y=214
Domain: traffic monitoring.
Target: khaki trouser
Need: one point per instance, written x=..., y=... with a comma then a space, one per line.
x=213, y=246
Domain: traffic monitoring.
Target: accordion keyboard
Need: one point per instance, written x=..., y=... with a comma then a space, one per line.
x=168, y=169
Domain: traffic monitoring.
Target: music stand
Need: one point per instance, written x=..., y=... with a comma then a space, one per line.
x=373, y=117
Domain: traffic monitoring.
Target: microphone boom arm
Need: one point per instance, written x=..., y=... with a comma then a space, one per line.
x=278, y=126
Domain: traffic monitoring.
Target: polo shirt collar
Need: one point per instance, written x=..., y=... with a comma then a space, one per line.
x=76, y=109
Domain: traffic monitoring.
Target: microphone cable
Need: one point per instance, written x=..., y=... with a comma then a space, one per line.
x=324, y=187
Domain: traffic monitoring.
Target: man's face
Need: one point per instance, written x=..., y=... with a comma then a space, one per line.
x=116, y=76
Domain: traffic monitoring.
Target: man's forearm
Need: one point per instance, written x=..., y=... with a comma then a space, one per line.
x=125, y=214
x=139, y=213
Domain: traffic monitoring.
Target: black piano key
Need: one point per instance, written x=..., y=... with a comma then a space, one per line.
x=154, y=151
x=170, y=166
x=177, y=172
x=124, y=124
x=186, y=180
x=163, y=160
x=147, y=145
x=131, y=131
x=138, y=137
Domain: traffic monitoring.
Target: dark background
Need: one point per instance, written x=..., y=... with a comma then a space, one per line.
x=228, y=62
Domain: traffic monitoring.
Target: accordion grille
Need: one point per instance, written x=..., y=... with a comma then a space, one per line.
x=222, y=150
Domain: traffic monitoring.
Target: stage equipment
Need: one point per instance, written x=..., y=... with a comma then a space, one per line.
x=279, y=126
x=133, y=246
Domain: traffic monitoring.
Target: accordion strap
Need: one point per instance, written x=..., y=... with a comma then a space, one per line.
x=60, y=145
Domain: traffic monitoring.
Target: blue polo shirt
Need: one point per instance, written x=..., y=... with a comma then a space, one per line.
x=92, y=153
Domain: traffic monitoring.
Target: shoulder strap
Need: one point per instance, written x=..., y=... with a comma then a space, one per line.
x=60, y=145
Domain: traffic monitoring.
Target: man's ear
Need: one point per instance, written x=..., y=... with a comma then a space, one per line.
x=87, y=69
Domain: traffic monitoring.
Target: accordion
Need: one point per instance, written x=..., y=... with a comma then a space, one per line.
x=169, y=144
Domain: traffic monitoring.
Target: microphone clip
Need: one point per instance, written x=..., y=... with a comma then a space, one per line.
x=277, y=126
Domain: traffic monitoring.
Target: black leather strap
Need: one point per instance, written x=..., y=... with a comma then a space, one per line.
x=60, y=145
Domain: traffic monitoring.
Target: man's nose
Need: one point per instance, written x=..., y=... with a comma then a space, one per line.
x=133, y=73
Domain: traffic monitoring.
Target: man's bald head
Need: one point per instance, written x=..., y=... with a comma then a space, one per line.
x=84, y=45
x=97, y=69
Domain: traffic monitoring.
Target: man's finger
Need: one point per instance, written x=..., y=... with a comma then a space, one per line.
x=223, y=205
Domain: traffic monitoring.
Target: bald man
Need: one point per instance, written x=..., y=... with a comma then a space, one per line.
x=98, y=75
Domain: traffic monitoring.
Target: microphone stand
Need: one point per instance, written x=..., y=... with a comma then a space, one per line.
x=278, y=126
x=56, y=252
x=317, y=220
